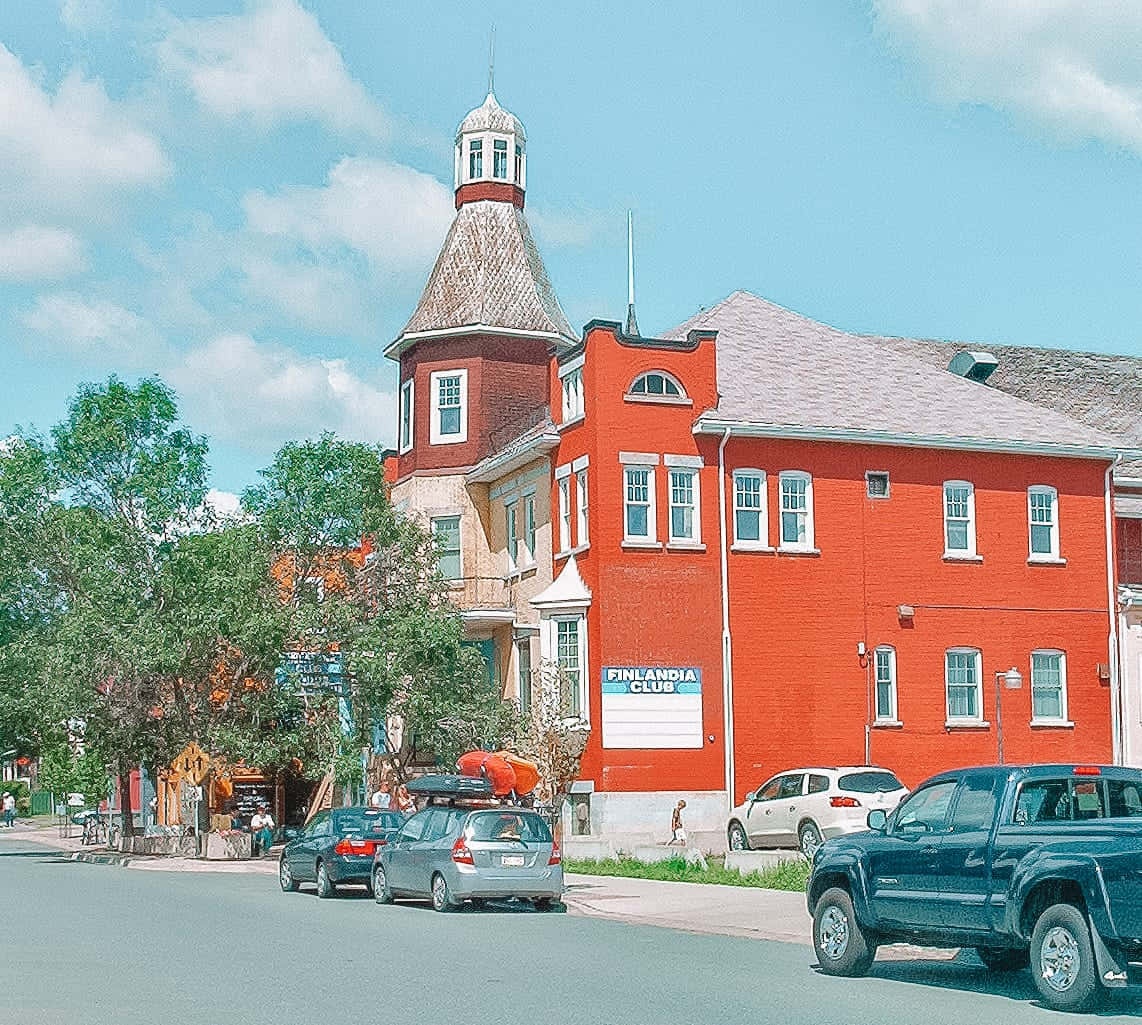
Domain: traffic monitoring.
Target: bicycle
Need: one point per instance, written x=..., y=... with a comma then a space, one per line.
x=94, y=830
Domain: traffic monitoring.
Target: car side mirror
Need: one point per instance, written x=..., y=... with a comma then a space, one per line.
x=751, y=797
x=877, y=820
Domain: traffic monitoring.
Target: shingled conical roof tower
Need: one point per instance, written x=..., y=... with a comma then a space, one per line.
x=488, y=315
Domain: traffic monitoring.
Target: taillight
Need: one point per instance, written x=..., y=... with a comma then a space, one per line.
x=461, y=854
x=1086, y=770
x=359, y=847
x=556, y=856
x=844, y=802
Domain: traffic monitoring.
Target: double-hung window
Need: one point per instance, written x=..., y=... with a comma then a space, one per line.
x=565, y=514
x=500, y=158
x=964, y=686
x=1048, y=687
x=446, y=531
x=582, y=536
x=638, y=504
x=449, y=407
x=573, y=394
x=885, y=666
x=750, y=521
x=796, y=510
x=475, y=159
x=685, y=512
x=511, y=525
x=570, y=657
x=1043, y=522
x=404, y=440
x=959, y=519
x=529, y=529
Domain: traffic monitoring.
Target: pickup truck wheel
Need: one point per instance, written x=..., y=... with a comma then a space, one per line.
x=1003, y=959
x=843, y=945
x=1062, y=960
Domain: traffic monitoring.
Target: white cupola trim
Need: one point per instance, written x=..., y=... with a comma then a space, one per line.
x=491, y=146
x=567, y=591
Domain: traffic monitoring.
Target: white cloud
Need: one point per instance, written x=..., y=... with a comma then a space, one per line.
x=85, y=15
x=324, y=297
x=69, y=152
x=223, y=504
x=238, y=389
x=35, y=253
x=91, y=329
x=570, y=228
x=1068, y=65
x=394, y=215
x=271, y=63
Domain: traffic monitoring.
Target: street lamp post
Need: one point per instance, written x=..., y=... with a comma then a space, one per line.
x=1012, y=680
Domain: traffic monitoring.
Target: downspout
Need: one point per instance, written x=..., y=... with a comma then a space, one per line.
x=1112, y=607
x=727, y=646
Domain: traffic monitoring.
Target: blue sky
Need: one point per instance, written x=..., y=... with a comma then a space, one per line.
x=246, y=197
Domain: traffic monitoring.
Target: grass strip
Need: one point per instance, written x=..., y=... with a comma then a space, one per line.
x=788, y=875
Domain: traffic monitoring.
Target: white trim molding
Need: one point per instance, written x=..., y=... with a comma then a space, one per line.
x=435, y=435
x=639, y=458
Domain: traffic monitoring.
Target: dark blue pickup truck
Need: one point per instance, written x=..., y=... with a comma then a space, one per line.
x=1036, y=865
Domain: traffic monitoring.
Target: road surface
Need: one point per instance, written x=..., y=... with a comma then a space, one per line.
x=96, y=945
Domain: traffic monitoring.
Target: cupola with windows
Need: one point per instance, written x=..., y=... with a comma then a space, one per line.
x=491, y=155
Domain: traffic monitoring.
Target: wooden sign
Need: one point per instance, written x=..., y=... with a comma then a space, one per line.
x=192, y=763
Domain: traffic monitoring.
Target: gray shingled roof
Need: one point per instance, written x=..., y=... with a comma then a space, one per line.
x=489, y=271
x=491, y=117
x=1100, y=390
x=779, y=370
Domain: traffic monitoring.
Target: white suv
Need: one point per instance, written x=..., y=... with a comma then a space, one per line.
x=804, y=807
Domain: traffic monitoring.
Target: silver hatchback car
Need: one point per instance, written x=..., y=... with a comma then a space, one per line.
x=449, y=854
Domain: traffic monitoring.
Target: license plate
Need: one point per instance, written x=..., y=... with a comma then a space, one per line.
x=512, y=860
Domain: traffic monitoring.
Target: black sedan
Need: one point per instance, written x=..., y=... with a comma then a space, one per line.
x=336, y=848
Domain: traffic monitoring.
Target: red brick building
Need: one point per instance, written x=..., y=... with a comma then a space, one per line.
x=756, y=543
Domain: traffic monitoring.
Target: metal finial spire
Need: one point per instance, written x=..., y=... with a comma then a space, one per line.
x=492, y=63
x=632, y=323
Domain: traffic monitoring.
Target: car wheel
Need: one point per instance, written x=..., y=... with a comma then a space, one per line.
x=325, y=886
x=441, y=895
x=285, y=876
x=1062, y=960
x=737, y=838
x=809, y=839
x=1003, y=959
x=547, y=904
x=381, y=892
x=843, y=945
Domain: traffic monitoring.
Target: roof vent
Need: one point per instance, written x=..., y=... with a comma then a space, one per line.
x=975, y=366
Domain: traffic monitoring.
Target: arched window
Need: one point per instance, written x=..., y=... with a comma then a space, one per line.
x=656, y=384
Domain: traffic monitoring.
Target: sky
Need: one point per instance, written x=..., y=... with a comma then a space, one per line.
x=245, y=196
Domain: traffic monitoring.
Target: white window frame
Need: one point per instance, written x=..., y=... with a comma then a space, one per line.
x=1063, y=718
x=651, y=535
x=459, y=542
x=681, y=399
x=809, y=544
x=497, y=142
x=552, y=638
x=959, y=553
x=965, y=720
x=511, y=534
x=406, y=426
x=893, y=716
x=434, y=435
x=564, y=488
x=762, y=541
x=695, y=506
x=529, y=528
x=572, y=388
x=475, y=146
x=1053, y=494
x=582, y=496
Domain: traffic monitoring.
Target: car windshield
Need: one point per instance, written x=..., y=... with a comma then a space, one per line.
x=366, y=820
x=508, y=825
x=870, y=782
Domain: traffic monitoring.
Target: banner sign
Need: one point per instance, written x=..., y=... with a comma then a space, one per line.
x=652, y=706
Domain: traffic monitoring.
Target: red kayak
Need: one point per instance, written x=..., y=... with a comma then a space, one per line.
x=493, y=768
x=526, y=773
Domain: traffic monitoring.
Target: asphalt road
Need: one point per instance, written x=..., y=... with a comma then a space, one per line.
x=95, y=945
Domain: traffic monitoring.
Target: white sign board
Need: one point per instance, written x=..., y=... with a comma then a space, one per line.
x=652, y=706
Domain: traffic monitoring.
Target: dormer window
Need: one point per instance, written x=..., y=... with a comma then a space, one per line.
x=519, y=165
x=500, y=158
x=657, y=386
x=475, y=159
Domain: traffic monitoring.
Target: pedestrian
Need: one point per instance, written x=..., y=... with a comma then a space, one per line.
x=383, y=797
x=262, y=826
x=405, y=800
x=677, y=832
x=9, y=809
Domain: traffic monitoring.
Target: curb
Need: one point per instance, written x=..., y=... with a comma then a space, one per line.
x=117, y=860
